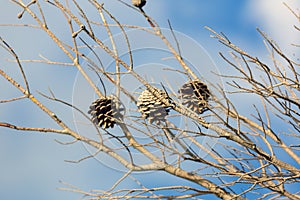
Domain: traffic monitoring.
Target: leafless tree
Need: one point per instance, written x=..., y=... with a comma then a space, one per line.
x=250, y=152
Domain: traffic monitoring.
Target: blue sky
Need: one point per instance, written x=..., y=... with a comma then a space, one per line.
x=32, y=164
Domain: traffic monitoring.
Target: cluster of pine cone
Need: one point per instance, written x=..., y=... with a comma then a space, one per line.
x=193, y=94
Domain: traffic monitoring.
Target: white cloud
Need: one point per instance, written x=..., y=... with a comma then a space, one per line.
x=273, y=17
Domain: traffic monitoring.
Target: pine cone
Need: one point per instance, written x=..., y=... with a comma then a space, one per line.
x=194, y=95
x=104, y=112
x=138, y=3
x=152, y=108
